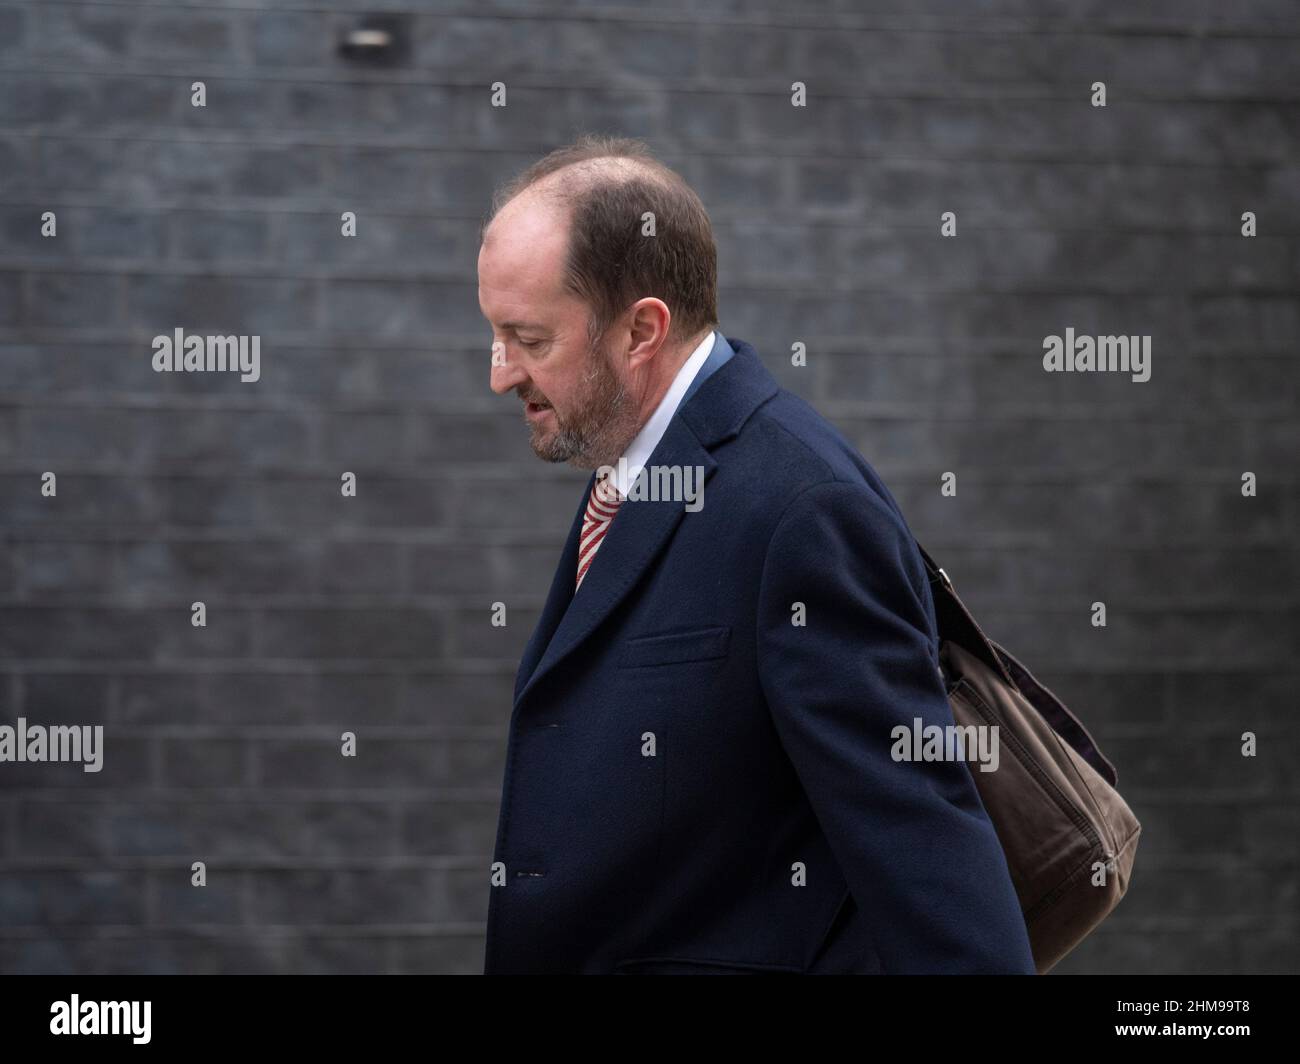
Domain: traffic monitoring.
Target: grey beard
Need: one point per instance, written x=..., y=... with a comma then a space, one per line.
x=603, y=428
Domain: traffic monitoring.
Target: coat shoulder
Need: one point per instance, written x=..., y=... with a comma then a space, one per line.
x=794, y=448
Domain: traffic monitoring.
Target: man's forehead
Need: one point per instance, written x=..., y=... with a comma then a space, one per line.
x=521, y=324
x=516, y=297
x=527, y=221
x=518, y=293
x=521, y=263
x=524, y=246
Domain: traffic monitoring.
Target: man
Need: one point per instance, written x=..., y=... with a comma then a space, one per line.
x=699, y=774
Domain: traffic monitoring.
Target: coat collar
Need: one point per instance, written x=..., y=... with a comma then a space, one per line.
x=715, y=413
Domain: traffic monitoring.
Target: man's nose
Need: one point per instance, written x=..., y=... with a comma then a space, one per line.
x=505, y=374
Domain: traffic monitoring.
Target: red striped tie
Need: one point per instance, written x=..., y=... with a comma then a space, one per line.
x=601, y=510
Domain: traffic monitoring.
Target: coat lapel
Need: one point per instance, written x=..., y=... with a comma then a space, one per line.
x=642, y=528
x=639, y=531
x=557, y=601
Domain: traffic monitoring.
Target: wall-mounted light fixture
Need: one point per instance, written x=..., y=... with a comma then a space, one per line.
x=380, y=40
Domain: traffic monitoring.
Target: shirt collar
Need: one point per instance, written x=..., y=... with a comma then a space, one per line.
x=642, y=447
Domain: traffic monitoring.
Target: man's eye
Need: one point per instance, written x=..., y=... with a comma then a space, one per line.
x=529, y=343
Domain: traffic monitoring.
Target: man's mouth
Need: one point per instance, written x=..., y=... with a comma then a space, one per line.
x=533, y=410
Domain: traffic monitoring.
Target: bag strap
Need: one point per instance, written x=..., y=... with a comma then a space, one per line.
x=1058, y=715
x=956, y=623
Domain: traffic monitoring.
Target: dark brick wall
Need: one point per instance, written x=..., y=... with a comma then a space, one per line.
x=372, y=614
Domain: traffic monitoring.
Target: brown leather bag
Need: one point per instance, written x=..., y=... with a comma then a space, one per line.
x=1068, y=836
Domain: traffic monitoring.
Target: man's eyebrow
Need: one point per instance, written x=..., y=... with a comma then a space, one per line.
x=521, y=325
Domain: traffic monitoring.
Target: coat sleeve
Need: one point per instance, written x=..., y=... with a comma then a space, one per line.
x=913, y=840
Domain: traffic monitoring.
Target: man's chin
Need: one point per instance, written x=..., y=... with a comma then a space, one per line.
x=547, y=447
x=546, y=455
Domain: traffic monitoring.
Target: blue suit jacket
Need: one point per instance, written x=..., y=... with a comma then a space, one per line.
x=693, y=783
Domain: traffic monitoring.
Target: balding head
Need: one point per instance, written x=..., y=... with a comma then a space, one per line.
x=636, y=229
x=597, y=271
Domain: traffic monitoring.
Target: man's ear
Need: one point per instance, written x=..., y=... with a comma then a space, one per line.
x=647, y=330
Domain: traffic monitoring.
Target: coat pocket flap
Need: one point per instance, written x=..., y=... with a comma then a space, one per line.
x=665, y=648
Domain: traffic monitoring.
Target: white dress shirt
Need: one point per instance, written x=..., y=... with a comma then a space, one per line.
x=642, y=447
